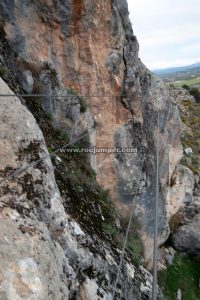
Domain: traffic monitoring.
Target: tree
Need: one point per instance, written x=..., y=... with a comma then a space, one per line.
x=193, y=91
x=196, y=93
x=186, y=87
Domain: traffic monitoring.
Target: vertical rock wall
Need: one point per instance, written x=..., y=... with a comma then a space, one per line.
x=94, y=51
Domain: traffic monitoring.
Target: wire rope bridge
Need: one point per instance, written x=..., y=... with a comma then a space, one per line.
x=155, y=247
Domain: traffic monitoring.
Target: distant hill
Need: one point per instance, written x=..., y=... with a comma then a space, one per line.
x=178, y=76
x=176, y=69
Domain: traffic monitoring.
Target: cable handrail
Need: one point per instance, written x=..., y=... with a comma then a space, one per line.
x=65, y=96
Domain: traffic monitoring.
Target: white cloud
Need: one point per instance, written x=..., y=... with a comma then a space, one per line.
x=168, y=31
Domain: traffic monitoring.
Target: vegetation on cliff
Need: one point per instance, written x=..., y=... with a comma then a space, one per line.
x=195, y=92
x=183, y=274
x=83, y=197
x=190, y=115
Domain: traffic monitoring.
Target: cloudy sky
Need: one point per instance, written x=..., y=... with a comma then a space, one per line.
x=168, y=31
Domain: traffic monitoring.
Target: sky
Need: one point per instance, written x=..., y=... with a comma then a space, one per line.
x=168, y=31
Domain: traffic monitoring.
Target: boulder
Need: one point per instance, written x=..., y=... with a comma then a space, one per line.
x=187, y=237
x=179, y=295
x=169, y=255
x=180, y=191
x=188, y=151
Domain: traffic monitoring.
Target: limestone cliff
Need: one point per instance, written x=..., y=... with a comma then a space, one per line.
x=89, y=48
x=185, y=237
x=44, y=253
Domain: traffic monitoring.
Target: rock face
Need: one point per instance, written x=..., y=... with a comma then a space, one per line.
x=181, y=189
x=187, y=238
x=94, y=52
x=44, y=253
x=181, y=94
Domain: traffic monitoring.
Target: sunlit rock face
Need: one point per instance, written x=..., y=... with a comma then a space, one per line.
x=94, y=51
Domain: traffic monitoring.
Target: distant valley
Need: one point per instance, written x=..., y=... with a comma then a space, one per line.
x=189, y=75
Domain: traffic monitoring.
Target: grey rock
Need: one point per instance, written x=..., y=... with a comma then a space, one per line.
x=30, y=259
x=197, y=192
x=179, y=295
x=180, y=192
x=114, y=61
x=188, y=151
x=181, y=94
x=187, y=237
x=197, y=181
x=196, y=202
x=28, y=81
x=169, y=255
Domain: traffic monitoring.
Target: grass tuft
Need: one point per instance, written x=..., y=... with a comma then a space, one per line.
x=191, y=138
x=3, y=70
x=184, y=274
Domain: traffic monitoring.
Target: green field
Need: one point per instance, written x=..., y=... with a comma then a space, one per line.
x=189, y=82
x=184, y=275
